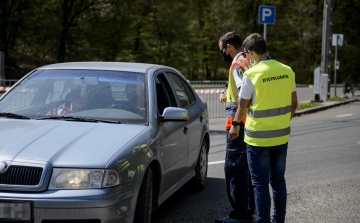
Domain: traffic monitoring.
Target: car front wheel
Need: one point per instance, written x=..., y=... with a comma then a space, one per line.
x=145, y=199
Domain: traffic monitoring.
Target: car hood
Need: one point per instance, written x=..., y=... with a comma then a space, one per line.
x=63, y=143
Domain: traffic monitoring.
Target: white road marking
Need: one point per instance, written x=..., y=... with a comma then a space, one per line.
x=216, y=162
x=344, y=115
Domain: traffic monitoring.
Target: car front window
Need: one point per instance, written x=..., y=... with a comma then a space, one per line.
x=88, y=94
x=182, y=90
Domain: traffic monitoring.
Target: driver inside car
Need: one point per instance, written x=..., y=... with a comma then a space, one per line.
x=135, y=94
x=75, y=100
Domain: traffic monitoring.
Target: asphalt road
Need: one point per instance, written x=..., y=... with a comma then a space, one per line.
x=323, y=173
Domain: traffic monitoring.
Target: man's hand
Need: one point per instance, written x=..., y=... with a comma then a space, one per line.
x=234, y=132
x=223, y=97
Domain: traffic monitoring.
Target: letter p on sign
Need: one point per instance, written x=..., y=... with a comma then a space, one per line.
x=266, y=14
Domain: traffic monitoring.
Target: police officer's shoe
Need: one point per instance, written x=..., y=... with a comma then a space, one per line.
x=228, y=220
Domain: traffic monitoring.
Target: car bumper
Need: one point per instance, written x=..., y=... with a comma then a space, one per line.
x=100, y=205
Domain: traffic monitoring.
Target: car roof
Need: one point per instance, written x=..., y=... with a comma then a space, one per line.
x=116, y=66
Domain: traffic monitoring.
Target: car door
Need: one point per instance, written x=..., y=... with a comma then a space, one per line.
x=186, y=99
x=173, y=140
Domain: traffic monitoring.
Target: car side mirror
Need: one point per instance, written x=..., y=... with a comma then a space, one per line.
x=174, y=114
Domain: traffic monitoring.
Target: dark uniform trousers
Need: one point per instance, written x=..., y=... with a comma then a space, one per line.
x=238, y=182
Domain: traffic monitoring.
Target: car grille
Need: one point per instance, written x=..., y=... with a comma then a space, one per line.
x=21, y=175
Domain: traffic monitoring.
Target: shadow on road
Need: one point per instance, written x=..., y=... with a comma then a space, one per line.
x=189, y=206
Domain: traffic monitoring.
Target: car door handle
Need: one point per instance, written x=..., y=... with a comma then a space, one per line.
x=185, y=129
x=201, y=118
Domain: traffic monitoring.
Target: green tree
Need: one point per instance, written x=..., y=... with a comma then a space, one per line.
x=11, y=17
x=183, y=34
x=70, y=14
x=346, y=21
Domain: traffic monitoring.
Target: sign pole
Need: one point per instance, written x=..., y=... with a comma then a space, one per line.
x=326, y=31
x=335, y=67
x=337, y=40
x=265, y=32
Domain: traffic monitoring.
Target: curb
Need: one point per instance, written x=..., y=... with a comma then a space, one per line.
x=323, y=107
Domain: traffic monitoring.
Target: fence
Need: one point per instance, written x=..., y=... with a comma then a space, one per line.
x=210, y=92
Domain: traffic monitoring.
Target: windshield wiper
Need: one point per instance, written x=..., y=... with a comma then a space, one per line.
x=71, y=118
x=108, y=121
x=12, y=115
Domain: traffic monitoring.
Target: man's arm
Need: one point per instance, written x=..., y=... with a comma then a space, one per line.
x=243, y=105
x=294, y=103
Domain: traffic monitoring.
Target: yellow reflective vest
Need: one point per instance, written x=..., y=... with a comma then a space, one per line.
x=268, y=118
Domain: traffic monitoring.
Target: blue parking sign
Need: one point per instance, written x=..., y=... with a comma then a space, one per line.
x=266, y=14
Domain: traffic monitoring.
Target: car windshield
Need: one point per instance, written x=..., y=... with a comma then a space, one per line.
x=95, y=95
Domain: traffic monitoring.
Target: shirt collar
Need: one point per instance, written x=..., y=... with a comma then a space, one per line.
x=237, y=56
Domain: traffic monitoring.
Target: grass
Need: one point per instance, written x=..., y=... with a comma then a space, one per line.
x=333, y=98
x=310, y=104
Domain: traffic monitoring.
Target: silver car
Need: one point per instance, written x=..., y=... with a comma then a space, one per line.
x=99, y=142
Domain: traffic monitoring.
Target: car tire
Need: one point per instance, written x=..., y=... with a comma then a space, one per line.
x=145, y=199
x=201, y=168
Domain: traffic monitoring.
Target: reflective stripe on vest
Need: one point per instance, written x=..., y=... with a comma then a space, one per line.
x=269, y=112
x=268, y=133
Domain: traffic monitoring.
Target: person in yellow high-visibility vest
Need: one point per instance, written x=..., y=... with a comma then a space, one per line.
x=268, y=96
x=237, y=176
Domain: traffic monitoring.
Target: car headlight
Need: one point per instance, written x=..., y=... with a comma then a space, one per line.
x=83, y=178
